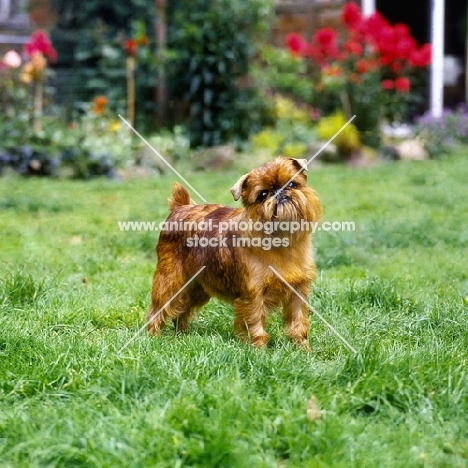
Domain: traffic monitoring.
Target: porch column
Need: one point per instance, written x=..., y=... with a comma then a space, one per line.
x=437, y=65
x=368, y=7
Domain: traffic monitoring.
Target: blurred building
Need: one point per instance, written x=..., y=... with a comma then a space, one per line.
x=19, y=17
x=14, y=24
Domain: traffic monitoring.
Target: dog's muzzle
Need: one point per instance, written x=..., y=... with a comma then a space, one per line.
x=281, y=197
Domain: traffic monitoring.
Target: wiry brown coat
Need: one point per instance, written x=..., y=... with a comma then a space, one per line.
x=240, y=275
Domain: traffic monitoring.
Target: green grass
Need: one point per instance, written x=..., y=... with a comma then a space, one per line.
x=74, y=290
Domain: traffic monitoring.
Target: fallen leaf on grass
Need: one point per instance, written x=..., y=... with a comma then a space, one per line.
x=313, y=411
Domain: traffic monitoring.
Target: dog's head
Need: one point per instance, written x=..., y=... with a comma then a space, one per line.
x=278, y=191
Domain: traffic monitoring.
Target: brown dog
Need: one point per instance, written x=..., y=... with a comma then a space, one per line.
x=237, y=246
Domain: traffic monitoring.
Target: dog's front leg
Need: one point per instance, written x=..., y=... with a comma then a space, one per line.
x=249, y=321
x=296, y=316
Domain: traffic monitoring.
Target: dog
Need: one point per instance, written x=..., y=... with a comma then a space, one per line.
x=237, y=256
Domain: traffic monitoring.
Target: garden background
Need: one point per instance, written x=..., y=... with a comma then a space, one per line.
x=216, y=89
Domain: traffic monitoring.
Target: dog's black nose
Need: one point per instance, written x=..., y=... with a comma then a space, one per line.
x=282, y=198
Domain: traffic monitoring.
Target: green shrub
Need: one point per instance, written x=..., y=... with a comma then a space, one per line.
x=276, y=70
x=211, y=43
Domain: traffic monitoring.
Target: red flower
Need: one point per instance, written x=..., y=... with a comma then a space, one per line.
x=402, y=84
x=324, y=46
x=395, y=66
x=353, y=47
x=401, y=30
x=387, y=84
x=326, y=37
x=374, y=24
x=130, y=46
x=361, y=66
x=384, y=38
x=385, y=60
x=404, y=48
x=39, y=42
x=296, y=44
x=351, y=15
x=372, y=64
x=421, y=57
x=426, y=55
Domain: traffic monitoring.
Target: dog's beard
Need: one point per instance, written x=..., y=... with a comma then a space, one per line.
x=292, y=207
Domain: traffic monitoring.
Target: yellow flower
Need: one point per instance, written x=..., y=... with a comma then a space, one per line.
x=115, y=126
x=27, y=73
x=33, y=69
x=39, y=63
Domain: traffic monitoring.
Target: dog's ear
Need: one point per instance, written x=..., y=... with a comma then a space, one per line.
x=301, y=164
x=240, y=185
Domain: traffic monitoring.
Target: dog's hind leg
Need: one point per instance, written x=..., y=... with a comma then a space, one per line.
x=190, y=302
x=163, y=302
x=170, y=300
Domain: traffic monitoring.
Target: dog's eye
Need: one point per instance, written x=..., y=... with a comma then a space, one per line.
x=262, y=196
x=292, y=185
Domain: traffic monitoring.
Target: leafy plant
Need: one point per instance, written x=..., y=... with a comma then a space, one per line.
x=292, y=132
x=276, y=70
x=92, y=41
x=102, y=68
x=212, y=42
x=440, y=134
x=93, y=144
x=369, y=68
x=348, y=139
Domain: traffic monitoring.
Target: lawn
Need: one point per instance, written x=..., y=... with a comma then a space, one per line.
x=74, y=289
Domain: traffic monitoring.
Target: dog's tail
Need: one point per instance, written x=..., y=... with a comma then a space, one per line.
x=179, y=197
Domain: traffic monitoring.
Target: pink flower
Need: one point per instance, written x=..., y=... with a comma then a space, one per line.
x=39, y=42
x=12, y=59
x=314, y=114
